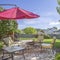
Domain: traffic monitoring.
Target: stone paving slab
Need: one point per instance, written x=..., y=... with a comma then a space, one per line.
x=36, y=56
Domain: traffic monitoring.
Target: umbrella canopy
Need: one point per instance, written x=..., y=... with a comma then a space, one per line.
x=17, y=13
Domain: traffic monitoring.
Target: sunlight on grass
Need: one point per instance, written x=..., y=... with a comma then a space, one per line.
x=57, y=43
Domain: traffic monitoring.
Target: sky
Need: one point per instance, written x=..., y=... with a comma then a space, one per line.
x=45, y=8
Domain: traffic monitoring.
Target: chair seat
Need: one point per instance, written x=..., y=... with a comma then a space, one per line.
x=46, y=45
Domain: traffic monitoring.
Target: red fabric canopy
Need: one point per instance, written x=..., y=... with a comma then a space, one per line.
x=17, y=13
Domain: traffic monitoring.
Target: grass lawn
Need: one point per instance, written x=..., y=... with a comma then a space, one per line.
x=57, y=43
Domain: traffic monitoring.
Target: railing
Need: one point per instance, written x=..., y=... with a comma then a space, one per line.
x=26, y=35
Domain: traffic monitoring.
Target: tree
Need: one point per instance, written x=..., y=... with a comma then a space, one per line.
x=1, y=9
x=58, y=2
x=18, y=31
x=30, y=30
x=58, y=8
x=7, y=26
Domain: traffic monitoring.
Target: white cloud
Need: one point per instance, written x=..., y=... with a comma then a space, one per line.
x=54, y=23
x=47, y=19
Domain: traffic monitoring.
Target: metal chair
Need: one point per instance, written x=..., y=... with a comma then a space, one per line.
x=39, y=41
x=9, y=42
x=49, y=45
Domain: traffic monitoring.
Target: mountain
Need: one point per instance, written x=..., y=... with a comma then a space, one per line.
x=50, y=30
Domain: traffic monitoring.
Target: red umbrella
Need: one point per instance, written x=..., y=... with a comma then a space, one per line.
x=17, y=13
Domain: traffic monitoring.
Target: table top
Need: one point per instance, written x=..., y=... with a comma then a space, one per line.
x=13, y=48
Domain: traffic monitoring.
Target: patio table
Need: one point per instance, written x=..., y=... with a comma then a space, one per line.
x=25, y=42
x=12, y=49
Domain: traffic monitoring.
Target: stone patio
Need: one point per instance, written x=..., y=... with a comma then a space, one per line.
x=48, y=55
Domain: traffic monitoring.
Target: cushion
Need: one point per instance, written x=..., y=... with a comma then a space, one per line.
x=46, y=45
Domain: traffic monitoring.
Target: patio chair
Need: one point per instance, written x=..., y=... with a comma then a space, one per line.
x=9, y=42
x=49, y=45
x=40, y=38
x=30, y=46
x=39, y=41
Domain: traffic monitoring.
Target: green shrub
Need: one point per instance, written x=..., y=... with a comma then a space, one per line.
x=1, y=45
x=47, y=37
x=30, y=30
x=57, y=57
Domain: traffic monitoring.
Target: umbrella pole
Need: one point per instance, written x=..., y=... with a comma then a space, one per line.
x=8, y=4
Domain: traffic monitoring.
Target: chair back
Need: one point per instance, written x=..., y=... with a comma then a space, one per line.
x=40, y=38
x=53, y=42
x=8, y=41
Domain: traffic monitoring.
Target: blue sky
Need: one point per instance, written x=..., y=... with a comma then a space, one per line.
x=45, y=8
